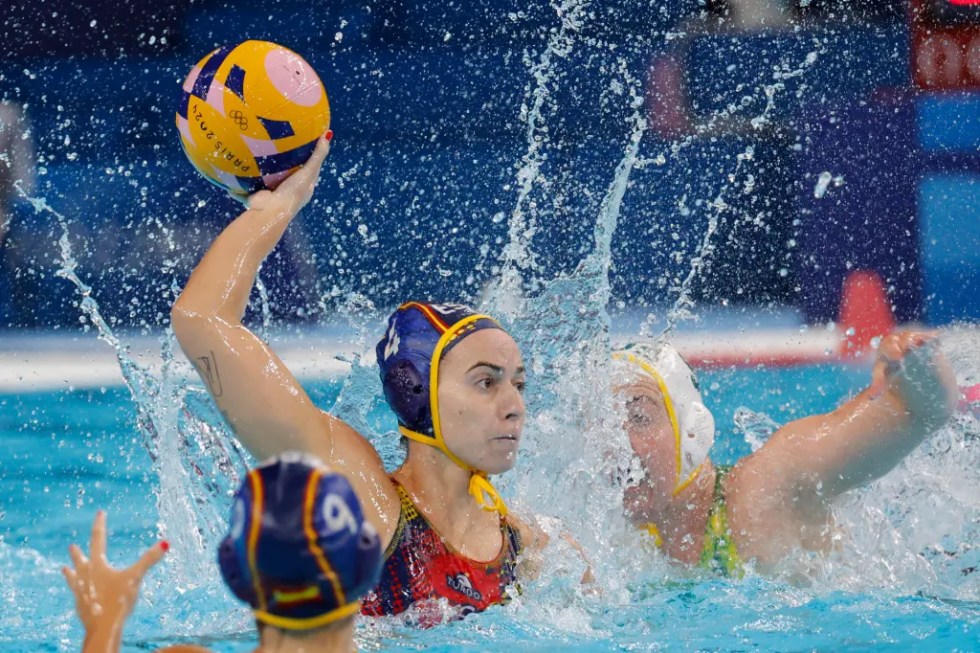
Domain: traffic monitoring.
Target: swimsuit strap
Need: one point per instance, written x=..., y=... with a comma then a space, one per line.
x=719, y=552
x=408, y=510
x=406, y=514
x=514, y=543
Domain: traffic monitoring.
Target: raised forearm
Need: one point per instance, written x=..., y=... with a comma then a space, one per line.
x=871, y=434
x=222, y=282
x=868, y=437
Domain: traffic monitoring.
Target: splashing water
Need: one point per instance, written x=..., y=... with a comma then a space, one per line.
x=917, y=529
x=197, y=463
x=911, y=532
x=505, y=299
x=756, y=428
x=564, y=331
x=718, y=208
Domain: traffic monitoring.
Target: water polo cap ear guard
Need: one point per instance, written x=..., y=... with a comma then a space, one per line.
x=691, y=421
x=418, y=336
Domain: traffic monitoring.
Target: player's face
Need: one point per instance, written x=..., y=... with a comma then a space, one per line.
x=651, y=435
x=481, y=404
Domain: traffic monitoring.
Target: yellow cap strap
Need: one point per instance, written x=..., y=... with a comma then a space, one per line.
x=653, y=532
x=307, y=623
x=483, y=491
x=438, y=443
x=680, y=483
x=481, y=488
x=486, y=494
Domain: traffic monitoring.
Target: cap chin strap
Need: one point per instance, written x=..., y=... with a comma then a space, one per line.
x=654, y=532
x=481, y=488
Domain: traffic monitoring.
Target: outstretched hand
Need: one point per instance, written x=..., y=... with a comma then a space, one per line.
x=911, y=367
x=296, y=190
x=892, y=352
x=105, y=596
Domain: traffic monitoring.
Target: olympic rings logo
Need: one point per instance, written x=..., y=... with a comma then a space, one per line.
x=240, y=119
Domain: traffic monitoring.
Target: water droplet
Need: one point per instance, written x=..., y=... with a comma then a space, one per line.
x=822, y=183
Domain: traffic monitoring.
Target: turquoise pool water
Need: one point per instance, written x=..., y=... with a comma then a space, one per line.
x=906, y=581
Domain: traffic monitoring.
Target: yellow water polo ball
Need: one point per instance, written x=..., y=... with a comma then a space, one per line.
x=250, y=115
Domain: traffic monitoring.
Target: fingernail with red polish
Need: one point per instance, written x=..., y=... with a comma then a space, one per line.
x=165, y=545
x=329, y=135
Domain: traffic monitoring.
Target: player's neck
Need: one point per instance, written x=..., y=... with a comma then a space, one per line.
x=337, y=638
x=684, y=518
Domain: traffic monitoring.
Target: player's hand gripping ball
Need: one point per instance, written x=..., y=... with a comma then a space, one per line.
x=250, y=115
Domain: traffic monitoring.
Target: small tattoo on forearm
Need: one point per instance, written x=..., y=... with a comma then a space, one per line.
x=208, y=367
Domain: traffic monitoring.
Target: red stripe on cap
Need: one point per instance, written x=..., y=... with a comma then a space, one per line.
x=429, y=314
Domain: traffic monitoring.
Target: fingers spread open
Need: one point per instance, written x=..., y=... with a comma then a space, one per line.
x=70, y=576
x=77, y=557
x=149, y=558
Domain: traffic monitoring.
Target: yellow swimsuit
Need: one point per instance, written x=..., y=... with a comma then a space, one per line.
x=719, y=553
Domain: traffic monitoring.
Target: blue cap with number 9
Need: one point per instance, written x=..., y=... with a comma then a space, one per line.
x=299, y=550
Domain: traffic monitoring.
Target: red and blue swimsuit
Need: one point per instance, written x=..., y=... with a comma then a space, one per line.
x=420, y=566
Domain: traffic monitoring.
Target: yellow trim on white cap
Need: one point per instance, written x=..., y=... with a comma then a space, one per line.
x=654, y=532
x=671, y=413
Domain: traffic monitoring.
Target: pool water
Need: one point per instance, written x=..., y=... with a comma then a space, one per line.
x=907, y=580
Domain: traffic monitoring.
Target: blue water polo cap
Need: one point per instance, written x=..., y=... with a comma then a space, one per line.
x=409, y=350
x=418, y=336
x=299, y=550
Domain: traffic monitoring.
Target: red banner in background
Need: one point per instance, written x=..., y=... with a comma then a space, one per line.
x=945, y=44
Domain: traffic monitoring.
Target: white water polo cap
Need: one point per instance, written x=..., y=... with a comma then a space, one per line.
x=692, y=422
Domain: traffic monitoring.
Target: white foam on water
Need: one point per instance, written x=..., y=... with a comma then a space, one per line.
x=917, y=529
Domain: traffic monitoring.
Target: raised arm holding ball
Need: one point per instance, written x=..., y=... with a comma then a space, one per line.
x=453, y=377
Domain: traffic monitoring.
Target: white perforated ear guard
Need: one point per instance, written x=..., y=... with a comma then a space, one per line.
x=692, y=422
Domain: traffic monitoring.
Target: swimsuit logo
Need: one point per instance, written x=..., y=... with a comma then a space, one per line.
x=461, y=583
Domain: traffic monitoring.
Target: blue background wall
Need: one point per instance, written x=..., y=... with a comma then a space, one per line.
x=427, y=99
